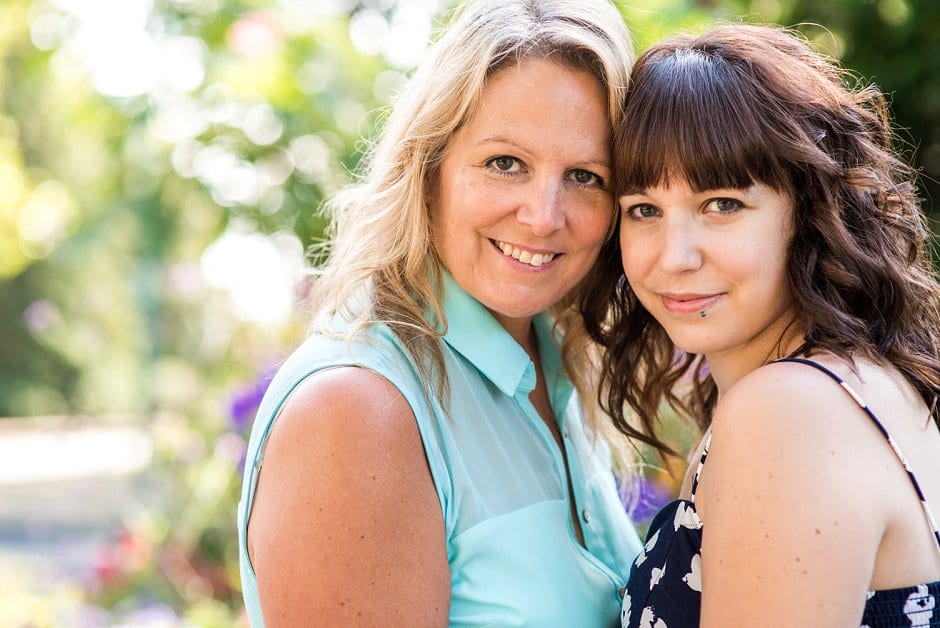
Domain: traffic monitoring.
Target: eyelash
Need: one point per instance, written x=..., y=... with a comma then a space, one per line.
x=738, y=205
x=598, y=184
x=631, y=211
x=499, y=171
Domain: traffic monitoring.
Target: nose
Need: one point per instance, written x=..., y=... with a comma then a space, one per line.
x=542, y=208
x=680, y=248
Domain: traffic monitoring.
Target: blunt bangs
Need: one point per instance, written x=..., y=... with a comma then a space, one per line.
x=692, y=116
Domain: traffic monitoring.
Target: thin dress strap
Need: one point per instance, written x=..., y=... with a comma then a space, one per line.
x=701, y=463
x=897, y=450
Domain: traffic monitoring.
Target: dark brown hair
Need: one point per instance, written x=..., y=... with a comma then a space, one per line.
x=742, y=104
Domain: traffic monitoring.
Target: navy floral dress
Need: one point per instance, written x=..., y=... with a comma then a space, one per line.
x=665, y=585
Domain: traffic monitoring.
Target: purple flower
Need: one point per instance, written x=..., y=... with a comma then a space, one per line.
x=245, y=401
x=651, y=496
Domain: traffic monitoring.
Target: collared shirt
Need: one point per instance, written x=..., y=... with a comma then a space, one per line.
x=498, y=471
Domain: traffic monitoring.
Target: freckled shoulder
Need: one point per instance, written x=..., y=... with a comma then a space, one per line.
x=793, y=420
x=786, y=400
x=346, y=526
x=769, y=422
x=790, y=531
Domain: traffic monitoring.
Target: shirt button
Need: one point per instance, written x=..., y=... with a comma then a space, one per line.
x=586, y=516
x=621, y=592
x=564, y=432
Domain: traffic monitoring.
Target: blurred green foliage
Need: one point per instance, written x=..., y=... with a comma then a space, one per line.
x=161, y=164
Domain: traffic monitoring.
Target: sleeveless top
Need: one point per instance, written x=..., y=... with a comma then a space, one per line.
x=664, y=588
x=498, y=472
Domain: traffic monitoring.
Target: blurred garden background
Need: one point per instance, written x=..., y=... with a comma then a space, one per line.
x=161, y=164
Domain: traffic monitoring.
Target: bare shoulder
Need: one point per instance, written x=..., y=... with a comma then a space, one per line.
x=796, y=428
x=346, y=418
x=781, y=502
x=787, y=402
x=346, y=523
x=801, y=401
x=345, y=400
x=779, y=387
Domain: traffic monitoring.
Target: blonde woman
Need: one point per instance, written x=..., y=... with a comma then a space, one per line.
x=420, y=460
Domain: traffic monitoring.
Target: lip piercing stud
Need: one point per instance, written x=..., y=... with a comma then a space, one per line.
x=703, y=314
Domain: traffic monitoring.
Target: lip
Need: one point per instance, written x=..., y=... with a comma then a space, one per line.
x=517, y=263
x=684, y=304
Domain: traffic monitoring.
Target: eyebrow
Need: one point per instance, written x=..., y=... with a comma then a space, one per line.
x=497, y=139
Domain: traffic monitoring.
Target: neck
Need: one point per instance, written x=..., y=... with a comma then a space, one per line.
x=728, y=367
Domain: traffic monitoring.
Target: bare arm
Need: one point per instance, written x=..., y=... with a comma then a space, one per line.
x=790, y=533
x=346, y=527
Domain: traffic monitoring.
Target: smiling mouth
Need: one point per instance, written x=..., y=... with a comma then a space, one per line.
x=526, y=257
x=689, y=303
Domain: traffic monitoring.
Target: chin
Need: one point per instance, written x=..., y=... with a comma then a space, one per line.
x=688, y=344
x=512, y=310
x=512, y=304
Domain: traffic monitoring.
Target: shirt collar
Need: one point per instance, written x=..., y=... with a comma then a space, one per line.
x=477, y=336
x=556, y=379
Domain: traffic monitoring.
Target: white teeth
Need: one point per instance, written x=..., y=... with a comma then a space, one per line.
x=532, y=259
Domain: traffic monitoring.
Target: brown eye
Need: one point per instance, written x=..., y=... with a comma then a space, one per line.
x=586, y=178
x=504, y=163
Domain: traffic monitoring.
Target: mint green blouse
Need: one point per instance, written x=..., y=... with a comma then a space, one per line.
x=499, y=474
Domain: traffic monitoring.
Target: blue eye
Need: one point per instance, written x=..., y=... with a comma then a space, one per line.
x=724, y=205
x=643, y=210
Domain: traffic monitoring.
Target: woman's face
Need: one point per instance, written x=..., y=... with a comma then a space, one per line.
x=521, y=205
x=711, y=266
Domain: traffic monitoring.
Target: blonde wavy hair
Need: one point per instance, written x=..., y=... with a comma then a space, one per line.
x=382, y=266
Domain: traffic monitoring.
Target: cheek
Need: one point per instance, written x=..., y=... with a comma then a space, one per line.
x=635, y=256
x=461, y=195
x=769, y=268
x=772, y=257
x=589, y=223
x=648, y=300
x=446, y=234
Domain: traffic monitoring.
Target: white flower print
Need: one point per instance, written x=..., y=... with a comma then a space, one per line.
x=694, y=577
x=646, y=550
x=686, y=517
x=648, y=619
x=919, y=607
x=657, y=575
x=625, y=613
